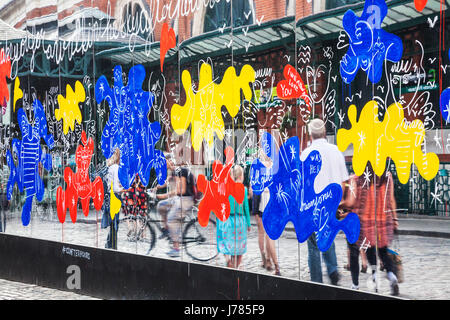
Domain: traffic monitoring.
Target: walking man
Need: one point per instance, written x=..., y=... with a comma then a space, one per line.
x=333, y=171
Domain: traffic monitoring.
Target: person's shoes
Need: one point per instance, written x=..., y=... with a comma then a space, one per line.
x=347, y=267
x=395, y=291
x=355, y=287
x=277, y=270
x=335, y=277
x=174, y=253
x=165, y=234
x=374, y=281
x=264, y=261
x=363, y=269
x=394, y=283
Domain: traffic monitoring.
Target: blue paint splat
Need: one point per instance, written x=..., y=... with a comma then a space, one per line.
x=444, y=102
x=369, y=45
x=444, y=105
x=30, y=155
x=128, y=127
x=292, y=197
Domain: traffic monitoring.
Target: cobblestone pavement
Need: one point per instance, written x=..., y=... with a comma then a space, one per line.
x=11, y=290
x=426, y=260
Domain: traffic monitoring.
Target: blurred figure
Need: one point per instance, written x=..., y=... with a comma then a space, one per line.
x=175, y=203
x=112, y=177
x=232, y=233
x=342, y=213
x=134, y=200
x=333, y=170
x=266, y=245
x=374, y=202
x=4, y=204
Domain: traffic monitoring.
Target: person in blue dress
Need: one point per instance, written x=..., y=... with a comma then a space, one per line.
x=232, y=233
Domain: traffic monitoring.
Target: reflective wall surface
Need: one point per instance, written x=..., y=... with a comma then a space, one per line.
x=294, y=138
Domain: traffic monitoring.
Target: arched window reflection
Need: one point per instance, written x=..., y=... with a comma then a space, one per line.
x=220, y=15
x=135, y=21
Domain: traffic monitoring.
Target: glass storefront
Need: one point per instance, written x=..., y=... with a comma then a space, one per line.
x=258, y=135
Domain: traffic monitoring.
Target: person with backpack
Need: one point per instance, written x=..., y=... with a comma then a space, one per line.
x=176, y=203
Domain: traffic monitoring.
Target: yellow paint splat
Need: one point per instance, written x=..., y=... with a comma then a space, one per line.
x=203, y=108
x=395, y=137
x=68, y=107
x=18, y=93
x=115, y=204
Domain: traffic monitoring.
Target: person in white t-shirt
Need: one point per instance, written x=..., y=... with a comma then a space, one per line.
x=333, y=170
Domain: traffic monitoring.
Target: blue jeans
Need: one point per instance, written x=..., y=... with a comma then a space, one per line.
x=314, y=261
x=111, y=240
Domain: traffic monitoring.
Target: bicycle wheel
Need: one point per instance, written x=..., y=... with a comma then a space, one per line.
x=200, y=242
x=135, y=235
x=146, y=237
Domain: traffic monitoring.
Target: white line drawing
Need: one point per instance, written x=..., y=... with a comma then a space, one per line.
x=304, y=55
x=221, y=29
x=342, y=40
x=431, y=23
x=436, y=196
x=364, y=246
x=260, y=20
x=247, y=46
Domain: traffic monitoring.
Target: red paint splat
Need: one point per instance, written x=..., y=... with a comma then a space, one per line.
x=217, y=190
x=79, y=184
x=5, y=71
x=420, y=4
x=293, y=87
x=168, y=41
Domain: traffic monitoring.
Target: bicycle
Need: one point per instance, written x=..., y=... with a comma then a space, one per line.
x=200, y=243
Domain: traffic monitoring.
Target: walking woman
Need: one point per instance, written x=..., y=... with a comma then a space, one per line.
x=232, y=233
x=266, y=245
x=375, y=204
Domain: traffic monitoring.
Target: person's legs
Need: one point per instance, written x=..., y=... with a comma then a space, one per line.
x=314, y=263
x=163, y=208
x=354, y=264
x=390, y=269
x=372, y=259
x=180, y=206
x=111, y=241
x=261, y=236
x=364, y=261
x=330, y=260
x=387, y=261
x=272, y=254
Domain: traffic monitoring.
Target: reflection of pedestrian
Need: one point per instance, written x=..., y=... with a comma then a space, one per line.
x=112, y=177
x=266, y=245
x=354, y=250
x=374, y=202
x=232, y=233
x=134, y=200
x=333, y=170
x=176, y=203
x=3, y=207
